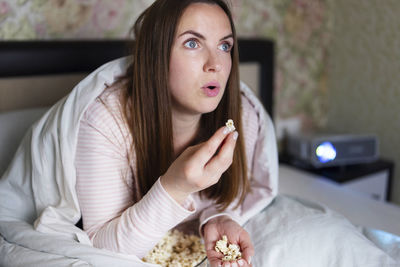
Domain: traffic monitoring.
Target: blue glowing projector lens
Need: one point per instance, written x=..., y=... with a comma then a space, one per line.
x=325, y=152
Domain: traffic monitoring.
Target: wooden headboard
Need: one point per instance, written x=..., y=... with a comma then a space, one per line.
x=35, y=58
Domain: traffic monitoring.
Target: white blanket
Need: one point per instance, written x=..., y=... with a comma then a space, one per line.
x=39, y=206
x=38, y=201
x=295, y=232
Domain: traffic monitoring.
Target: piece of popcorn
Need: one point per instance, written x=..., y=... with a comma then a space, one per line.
x=230, y=125
x=231, y=251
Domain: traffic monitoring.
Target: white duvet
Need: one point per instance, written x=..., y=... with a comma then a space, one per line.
x=296, y=232
x=39, y=206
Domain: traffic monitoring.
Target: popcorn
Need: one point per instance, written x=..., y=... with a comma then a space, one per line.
x=231, y=252
x=178, y=250
x=230, y=125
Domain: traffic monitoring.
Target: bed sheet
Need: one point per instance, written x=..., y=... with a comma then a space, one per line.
x=359, y=209
x=290, y=232
x=297, y=232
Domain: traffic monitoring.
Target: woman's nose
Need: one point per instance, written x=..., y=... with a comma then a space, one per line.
x=212, y=63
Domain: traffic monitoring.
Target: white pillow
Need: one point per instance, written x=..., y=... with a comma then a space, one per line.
x=13, y=126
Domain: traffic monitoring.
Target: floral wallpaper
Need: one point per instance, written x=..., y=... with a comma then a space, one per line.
x=300, y=28
x=54, y=19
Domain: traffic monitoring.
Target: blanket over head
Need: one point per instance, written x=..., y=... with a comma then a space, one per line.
x=38, y=202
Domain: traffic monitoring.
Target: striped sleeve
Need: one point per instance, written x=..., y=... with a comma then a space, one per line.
x=104, y=190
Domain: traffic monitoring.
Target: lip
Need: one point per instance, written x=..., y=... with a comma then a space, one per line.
x=211, y=89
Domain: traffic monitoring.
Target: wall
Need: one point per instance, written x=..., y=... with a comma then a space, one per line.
x=364, y=71
x=55, y=19
x=302, y=32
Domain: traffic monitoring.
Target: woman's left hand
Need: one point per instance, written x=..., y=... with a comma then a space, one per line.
x=223, y=225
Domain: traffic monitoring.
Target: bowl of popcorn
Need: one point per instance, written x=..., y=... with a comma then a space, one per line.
x=178, y=249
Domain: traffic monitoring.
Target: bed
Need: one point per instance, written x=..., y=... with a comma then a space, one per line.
x=36, y=74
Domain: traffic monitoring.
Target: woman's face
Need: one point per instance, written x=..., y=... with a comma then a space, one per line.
x=200, y=61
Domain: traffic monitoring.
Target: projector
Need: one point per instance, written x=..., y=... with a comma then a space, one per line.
x=320, y=150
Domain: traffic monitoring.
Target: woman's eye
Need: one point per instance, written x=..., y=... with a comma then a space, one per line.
x=191, y=44
x=225, y=47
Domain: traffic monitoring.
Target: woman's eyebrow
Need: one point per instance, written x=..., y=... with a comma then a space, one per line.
x=199, y=35
x=227, y=37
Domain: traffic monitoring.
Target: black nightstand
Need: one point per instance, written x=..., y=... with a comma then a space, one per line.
x=373, y=179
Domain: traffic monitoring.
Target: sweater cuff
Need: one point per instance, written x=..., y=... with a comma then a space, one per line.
x=188, y=205
x=147, y=221
x=157, y=210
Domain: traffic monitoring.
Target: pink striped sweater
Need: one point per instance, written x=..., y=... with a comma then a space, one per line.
x=106, y=186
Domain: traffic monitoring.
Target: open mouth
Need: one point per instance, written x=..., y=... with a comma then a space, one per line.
x=211, y=91
x=212, y=88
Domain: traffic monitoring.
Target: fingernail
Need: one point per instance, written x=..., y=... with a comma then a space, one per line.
x=226, y=130
x=241, y=262
x=249, y=260
x=234, y=264
x=235, y=135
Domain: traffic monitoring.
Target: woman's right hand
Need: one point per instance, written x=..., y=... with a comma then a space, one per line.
x=200, y=166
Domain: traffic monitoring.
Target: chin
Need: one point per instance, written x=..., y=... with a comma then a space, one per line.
x=210, y=107
x=200, y=107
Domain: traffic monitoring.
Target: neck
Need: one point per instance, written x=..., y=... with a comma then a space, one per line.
x=184, y=131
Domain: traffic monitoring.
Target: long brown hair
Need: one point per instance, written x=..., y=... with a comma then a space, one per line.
x=147, y=102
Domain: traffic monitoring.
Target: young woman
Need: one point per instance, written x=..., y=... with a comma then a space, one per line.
x=138, y=147
x=152, y=151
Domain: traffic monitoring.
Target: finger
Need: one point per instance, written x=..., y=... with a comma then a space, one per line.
x=208, y=148
x=247, y=259
x=247, y=253
x=222, y=160
x=246, y=246
x=242, y=262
